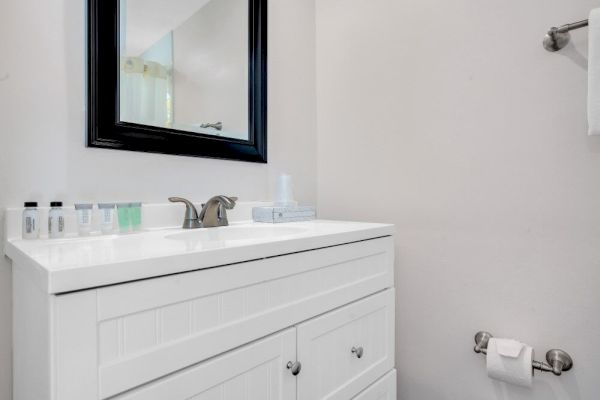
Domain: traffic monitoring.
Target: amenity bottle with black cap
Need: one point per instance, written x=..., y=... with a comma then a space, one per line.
x=31, y=221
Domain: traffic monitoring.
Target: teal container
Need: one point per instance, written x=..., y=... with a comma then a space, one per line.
x=135, y=216
x=124, y=217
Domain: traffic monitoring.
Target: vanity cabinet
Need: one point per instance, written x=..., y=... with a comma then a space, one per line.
x=218, y=332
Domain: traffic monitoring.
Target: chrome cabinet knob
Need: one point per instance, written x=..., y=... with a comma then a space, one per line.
x=358, y=351
x=294, y=367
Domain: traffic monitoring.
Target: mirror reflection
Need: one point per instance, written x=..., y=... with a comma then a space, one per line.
x=184, y=65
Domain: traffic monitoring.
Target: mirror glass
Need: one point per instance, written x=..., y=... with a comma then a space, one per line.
x=184, y=65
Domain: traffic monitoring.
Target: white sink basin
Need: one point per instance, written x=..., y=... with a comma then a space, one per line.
x=237, y=233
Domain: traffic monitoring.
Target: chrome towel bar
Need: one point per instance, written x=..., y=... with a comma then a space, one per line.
x=558, y=360
x=558, y=38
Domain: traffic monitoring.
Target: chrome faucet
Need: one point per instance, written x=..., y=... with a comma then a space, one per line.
x=213, y=213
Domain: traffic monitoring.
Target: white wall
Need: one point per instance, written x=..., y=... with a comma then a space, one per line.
x=42, y=126
x=448, y=119
x=210, y=68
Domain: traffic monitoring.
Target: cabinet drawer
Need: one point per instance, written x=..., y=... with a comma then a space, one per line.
x=149, y=329
x=255, y=372
x=331, y=369
x=383, y=389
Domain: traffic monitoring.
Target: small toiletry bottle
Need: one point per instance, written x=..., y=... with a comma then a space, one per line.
x=135, y=215
x=123, y=217
x=31, y=219
x=56, y=220
x=107, y=217
x=84, y=218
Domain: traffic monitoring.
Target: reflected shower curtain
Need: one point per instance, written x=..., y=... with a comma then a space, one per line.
x=145, y=96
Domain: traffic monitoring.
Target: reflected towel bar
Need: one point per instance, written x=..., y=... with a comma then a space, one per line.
x=558, y=38
x=558, y=360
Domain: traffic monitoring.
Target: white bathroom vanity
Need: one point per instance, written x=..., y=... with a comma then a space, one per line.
x=250, y=311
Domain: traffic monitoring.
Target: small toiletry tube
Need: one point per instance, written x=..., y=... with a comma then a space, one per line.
x=31, y=221
x=107, y=217
x=56, y=220
x=123, y=217
x=84, y=218
x=135, y=216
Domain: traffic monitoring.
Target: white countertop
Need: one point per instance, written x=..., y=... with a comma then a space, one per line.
x=64, y=265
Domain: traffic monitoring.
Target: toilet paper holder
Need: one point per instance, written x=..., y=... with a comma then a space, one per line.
x=558, y=360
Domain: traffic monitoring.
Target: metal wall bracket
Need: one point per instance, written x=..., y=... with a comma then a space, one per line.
x=557, y=360
x=558, y=38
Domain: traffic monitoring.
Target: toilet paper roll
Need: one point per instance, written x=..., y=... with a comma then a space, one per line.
x=510, y=361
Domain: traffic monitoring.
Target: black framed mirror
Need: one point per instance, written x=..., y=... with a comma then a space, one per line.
x=183, y=77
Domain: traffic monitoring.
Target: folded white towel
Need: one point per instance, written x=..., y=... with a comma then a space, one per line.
x=594, y=73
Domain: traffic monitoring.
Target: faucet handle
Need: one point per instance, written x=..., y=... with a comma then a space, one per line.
x=214, y=212
x=227, y=205
x=228, y=202
x=191, y=214
x=233, y=200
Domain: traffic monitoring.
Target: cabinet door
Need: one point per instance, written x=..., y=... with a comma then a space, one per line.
x=346, y=350
x=256, y=371
x=383, y=389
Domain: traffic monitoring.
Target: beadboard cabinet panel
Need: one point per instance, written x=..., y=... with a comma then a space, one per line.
x=346, y=350
x=383, y=389
x=255, y=371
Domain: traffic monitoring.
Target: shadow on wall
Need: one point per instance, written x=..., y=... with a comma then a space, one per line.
x=542, y=389
x=503, y=391
x=574, y=55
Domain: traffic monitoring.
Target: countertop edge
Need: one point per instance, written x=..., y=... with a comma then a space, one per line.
x=28, y=266
x=95, y=276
